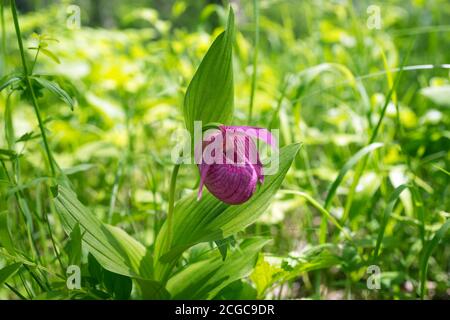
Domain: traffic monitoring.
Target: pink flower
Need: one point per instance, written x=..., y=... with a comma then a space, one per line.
x=229, y=166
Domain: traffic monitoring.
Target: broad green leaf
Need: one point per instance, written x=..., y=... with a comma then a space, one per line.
x=222, y=245
x=237, y=290
x=74, y=246
x=152, y=290
x=387, y=213
x=205, y=279
x=8, y=272
x=266, y=274
x=210, y=94
x=113, y=248
x=210, y=219
x=55, y=89
x=118, y=286
x=426, y=254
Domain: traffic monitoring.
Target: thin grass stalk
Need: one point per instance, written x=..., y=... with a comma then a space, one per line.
x=255, y=59
x=31, y=89
x=173, y=183
x=361, y=167
x=3, y=33
x=37, y=112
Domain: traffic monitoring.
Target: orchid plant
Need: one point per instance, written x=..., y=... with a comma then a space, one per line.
x=232, y=203
x=238, y=192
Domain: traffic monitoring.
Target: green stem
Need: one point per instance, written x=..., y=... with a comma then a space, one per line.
x=18, y=195
x=323, y=210
x=15, y=291
x=360, y=169
x=30, y=88
x=2, y=22
x=173, y=181
x=255, y=59
x=49, y=228
x=35, y=59
x=36, y=110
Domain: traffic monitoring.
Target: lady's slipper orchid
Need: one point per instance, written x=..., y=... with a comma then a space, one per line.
x=230, y=166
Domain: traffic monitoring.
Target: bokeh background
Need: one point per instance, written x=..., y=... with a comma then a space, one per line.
x=323, y=74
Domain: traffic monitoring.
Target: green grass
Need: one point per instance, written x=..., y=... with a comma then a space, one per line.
x=87, y=128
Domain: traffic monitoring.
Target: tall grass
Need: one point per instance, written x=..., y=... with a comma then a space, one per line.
x=92, y=183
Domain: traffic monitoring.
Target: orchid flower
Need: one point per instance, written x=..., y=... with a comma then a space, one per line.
x=230, y=166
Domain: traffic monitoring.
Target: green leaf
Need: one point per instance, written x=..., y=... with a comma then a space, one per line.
x=78, y=168
x=9, y=80
x=53, y=295
x=5, y=234
x=348, y=165
x=237, y=290
x=114, y=249
x=55, y=89
x=387, y=213
x=118, y=286
x=28, y=136
x=315, y=258
x=8, y=271
x=426, y=254
x=50, y=54
x=210, y=94
x=6, y=154
x=204, y=279
x=222, y=245
x=74, y=246
x=152, y=290
x=264, y=275
x=9, y=126
x=210, y=219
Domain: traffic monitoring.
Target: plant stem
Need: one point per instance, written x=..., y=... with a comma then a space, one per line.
x=323, y=210
x=360, y=169
x=2, y=22
x=35, y=59
x=173, y=181
x=37, y=112
x=255, y=59
x=49, y=228
x=30, y=88
x=19, y=195
x=15, y=291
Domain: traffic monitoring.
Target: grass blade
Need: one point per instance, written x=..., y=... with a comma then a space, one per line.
x=387, y=213
x=426, y=254
x=347, y=166
x=8, y=271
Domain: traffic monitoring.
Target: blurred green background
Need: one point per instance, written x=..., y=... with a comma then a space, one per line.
x=323, y=74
